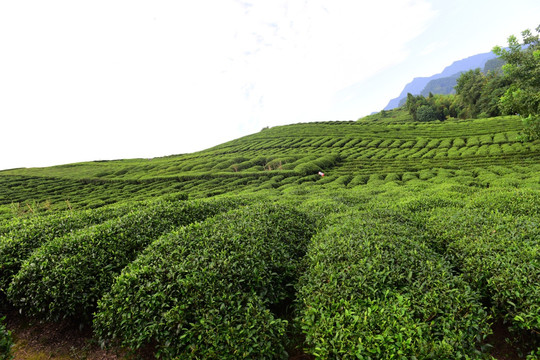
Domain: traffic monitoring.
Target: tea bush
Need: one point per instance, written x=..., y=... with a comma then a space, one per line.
x=432, y=144
x=499, y=138
x=396, y=143
x=359, y=180
x=385, y=143
x=485, y=140
x=6, y=342
x=509, y=201
x=309, y=168
x=392, y=177
x=409, y=176
x=374, y=143
x=458, y=143
x=419, y=153
x=29, y=234
x=204, y=291
x=421, y=143
x=375, y=178
x=473, y=141
x=65, y=277
x=373, y=290
x=498, y=255
x=434, y=175
x=407, y=144
x=446, y=143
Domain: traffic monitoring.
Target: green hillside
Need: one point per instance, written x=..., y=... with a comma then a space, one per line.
x=419, y=241
x=392, y=148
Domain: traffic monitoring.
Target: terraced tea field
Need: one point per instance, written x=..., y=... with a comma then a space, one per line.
x=419, y=241
x=349, y=151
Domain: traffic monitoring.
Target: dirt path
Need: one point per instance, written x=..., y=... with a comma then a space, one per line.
x=36, y=340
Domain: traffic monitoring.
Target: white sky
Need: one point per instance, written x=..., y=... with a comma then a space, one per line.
x=111, y=79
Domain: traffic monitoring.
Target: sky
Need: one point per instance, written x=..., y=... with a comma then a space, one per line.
x=116, y=79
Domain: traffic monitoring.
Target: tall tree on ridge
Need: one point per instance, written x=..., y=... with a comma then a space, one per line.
x=523, y=69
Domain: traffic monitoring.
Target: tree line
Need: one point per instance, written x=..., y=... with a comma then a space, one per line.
x=514, y=90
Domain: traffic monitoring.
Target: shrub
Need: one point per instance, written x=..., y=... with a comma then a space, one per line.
x=441, y=154
x=470, y=151
x=343, y=180
x=514, y=202
x=495, y=253
x=421, y=143
x=218, y=277
x=507, y=149
x=306, y=169
x=446, y=143
x=327, y=161
x=483, y=150
x=454, y=152
x=473, y=141
x=426, y=174
x=500, y=138
x=6, y=342
x=420, y=153
x=409, y=176
x=397, y=144
x=495, y=149
x=408, y=144
x=424, y=202
x=314, y=166
x=458, y=143
x=373, y=290
x=392, y=177
x=486, y=140
x=392, y=153
x=343, y=142
x=66, y=277
x=432, y=144
x=385, y=143
x=359, y=180
x=375, y=178
x=429, y=154
x=17, y=244
x=374, y=143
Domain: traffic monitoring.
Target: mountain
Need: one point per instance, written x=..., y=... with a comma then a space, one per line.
x=416, y=86
x=494, y=65
x=443, y=86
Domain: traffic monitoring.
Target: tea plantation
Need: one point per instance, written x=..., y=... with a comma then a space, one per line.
x=418, y=239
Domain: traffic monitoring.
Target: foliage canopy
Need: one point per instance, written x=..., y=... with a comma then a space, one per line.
x=523, y=69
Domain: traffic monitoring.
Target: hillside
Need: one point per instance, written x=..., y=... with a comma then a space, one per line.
x=277, y=157
x=312, y=240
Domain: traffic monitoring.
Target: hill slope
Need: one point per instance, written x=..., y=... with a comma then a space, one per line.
x=419, y=241
x=279, y=156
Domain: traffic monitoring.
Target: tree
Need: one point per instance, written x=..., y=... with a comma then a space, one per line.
x=469, y=88
x=434, y=107
x=494, y=88
x=414, y=103
x=426, y=113
x=523, y=70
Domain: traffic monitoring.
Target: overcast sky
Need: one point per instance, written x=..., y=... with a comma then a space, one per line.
x=111, y=79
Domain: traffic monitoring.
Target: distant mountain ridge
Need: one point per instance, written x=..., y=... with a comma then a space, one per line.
x=418, y=84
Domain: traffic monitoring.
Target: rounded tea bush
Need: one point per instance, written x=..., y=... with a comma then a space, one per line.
x=205, y=291
x=68, y=275
x=374, y=290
